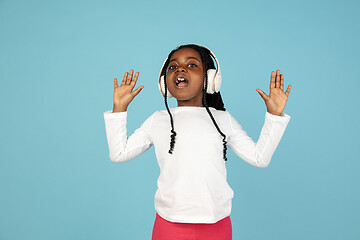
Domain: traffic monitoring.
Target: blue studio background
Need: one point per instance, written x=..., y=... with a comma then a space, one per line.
x=58, y=60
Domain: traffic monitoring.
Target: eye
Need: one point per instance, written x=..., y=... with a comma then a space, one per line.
x=173, y=66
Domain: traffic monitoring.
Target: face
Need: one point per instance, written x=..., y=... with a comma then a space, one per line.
x=187, y=65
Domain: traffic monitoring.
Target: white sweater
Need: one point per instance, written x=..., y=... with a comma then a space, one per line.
x=192, y=186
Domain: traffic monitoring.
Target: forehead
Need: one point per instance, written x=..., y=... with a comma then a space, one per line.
x=184, y=53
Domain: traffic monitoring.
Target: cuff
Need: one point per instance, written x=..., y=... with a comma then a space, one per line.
x=111, y=114
x=283, y=117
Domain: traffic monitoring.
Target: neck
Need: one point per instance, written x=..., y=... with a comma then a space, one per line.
x=193, y=102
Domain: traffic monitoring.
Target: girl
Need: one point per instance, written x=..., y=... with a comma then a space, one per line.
x=193, y=199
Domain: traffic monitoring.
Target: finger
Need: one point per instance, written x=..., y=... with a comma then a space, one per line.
x=272, y=80
x=115, y=83
x=124, y=79
x=282, y=82
x=137, y=90
x=262, y=94
x=135, y=78
x=277, y=79
x=129, y=77
x=288, y=90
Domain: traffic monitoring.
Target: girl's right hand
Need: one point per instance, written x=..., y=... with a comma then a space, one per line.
x=123, y=94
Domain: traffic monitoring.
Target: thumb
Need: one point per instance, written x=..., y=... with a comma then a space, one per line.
x=262, y=94
x=136, y=92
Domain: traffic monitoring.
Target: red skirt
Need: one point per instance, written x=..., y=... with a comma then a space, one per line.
x=166, y=230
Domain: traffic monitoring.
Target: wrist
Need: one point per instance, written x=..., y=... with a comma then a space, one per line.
x=273, y=113
x=119, y=108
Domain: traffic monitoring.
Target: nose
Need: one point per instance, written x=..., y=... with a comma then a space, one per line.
x=180, y=67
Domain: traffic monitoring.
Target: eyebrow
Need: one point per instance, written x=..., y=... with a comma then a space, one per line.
x=186, y=58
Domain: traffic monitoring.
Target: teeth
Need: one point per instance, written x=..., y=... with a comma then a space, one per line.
x=180, y=79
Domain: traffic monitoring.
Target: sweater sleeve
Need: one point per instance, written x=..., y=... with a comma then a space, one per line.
x=260, y=153
x=121, y=147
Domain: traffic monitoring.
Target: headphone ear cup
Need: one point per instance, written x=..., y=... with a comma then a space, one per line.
x=217, y=81
x=162, y=88
x=211, y=78
x=214, y=81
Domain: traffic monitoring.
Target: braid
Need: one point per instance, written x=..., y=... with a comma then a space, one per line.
x=211, y=116
x=172, y=142
x=214, y=100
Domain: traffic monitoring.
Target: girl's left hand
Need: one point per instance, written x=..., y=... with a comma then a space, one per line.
x=276, y=100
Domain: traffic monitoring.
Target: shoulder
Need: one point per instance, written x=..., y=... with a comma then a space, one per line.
x=159, y=115
x=147, y=123
x=220, y=113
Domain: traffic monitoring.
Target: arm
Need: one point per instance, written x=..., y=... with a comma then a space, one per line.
x=121, y=147
x=258, y=154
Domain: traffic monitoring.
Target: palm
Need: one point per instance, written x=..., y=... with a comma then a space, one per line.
x=277, y=98
x=123, y=94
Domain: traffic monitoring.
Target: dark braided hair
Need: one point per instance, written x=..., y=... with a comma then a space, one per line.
x=209, y=100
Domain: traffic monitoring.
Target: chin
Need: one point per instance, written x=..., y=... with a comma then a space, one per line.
x=185, y=94
x=181, y=95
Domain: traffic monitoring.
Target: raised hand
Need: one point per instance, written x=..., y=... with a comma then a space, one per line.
x=123, y=94
x=276, y=100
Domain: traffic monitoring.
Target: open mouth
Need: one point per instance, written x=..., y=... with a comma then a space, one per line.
x=181, y=82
